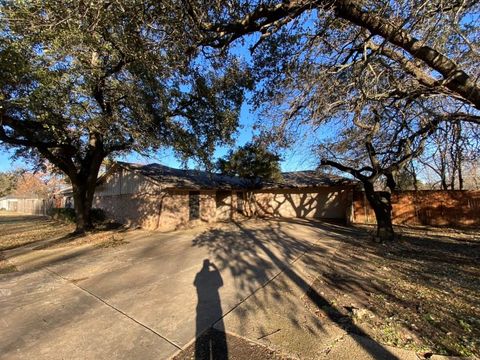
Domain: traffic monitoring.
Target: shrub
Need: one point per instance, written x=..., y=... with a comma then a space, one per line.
x=63, y=214
x=98, y=215
x=68, y=214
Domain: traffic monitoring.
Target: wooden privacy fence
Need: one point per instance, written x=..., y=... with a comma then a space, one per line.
x=26, y=206
x=425, y=207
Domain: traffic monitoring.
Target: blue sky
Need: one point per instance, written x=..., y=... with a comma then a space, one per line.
x=294, y=159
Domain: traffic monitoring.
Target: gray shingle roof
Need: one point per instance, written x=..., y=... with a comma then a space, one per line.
x=196, y=179
x=185, y=179
x=308, y=178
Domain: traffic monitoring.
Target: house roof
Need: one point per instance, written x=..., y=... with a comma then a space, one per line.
x=196, y=179
x=184, y=179
x=308, y=178
x=170, y=178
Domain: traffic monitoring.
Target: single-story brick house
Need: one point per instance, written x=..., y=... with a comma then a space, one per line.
x=162, y=198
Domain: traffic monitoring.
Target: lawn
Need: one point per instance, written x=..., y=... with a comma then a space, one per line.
x=17, y=230
x=40, y=232
x=421, y=292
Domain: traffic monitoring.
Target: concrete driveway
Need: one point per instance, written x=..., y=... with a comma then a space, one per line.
x=137, y=300
x=149, y=298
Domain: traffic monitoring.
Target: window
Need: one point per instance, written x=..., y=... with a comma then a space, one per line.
x=194, y=205
x=240, y=201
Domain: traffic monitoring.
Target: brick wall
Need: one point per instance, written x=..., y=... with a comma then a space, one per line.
x=318, y=203
x=164, y=211
x=425, y=207
x=170, y=210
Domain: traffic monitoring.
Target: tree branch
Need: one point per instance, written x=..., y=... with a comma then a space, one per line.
x=31, y=132
x=455, y=79
x=354, y=172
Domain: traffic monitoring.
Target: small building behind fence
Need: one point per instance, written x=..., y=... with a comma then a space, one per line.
x=26, y=204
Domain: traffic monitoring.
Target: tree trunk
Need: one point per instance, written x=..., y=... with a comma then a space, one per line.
x=414, y=175
x=460, y=177
x=443, y=177
x=380, y=202
x=458, y=151
x=85, y=180
x=82, y=207
x=391, y=183
x=83, y=186
x=383, y=214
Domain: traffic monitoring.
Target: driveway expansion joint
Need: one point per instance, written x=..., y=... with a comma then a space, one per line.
x=113, y=308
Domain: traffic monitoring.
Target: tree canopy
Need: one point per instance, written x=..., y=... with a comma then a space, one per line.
x=83, y=81
x=377, y=77
x=8, y=182
x=253, y=162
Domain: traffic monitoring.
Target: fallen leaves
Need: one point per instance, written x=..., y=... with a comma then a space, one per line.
x=424, y=291
x=43, y=233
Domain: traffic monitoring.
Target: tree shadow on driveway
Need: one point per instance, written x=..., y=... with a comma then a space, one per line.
x=255, y=253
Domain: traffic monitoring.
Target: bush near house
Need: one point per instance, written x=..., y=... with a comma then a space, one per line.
x=68, y=215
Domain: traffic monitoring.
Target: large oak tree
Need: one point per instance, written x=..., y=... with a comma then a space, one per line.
x=82, y=81
x=379, y=70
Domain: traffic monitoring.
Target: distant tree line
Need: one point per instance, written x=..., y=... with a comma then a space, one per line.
x=23, y=183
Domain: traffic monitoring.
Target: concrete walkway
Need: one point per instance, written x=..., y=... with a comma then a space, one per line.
x=150, y=298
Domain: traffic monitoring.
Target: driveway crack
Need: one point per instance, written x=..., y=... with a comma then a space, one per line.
x=115, y=308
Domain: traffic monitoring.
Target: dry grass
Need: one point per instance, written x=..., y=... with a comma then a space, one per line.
x=44, y=233
x=420, y=293
x=5, y=266
x=18, y=230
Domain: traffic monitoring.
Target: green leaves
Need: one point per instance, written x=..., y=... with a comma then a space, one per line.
x=126, y=71
x=80, y=82
x=251, y=161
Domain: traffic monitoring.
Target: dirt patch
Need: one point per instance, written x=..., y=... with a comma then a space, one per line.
x=215, y=344
x=421, y=292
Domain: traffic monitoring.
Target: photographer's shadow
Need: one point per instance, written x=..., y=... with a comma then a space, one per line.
x=210, y=343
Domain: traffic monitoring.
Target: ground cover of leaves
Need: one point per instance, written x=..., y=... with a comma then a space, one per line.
x=420, y=292
x=5, y=266
x=41, y=232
